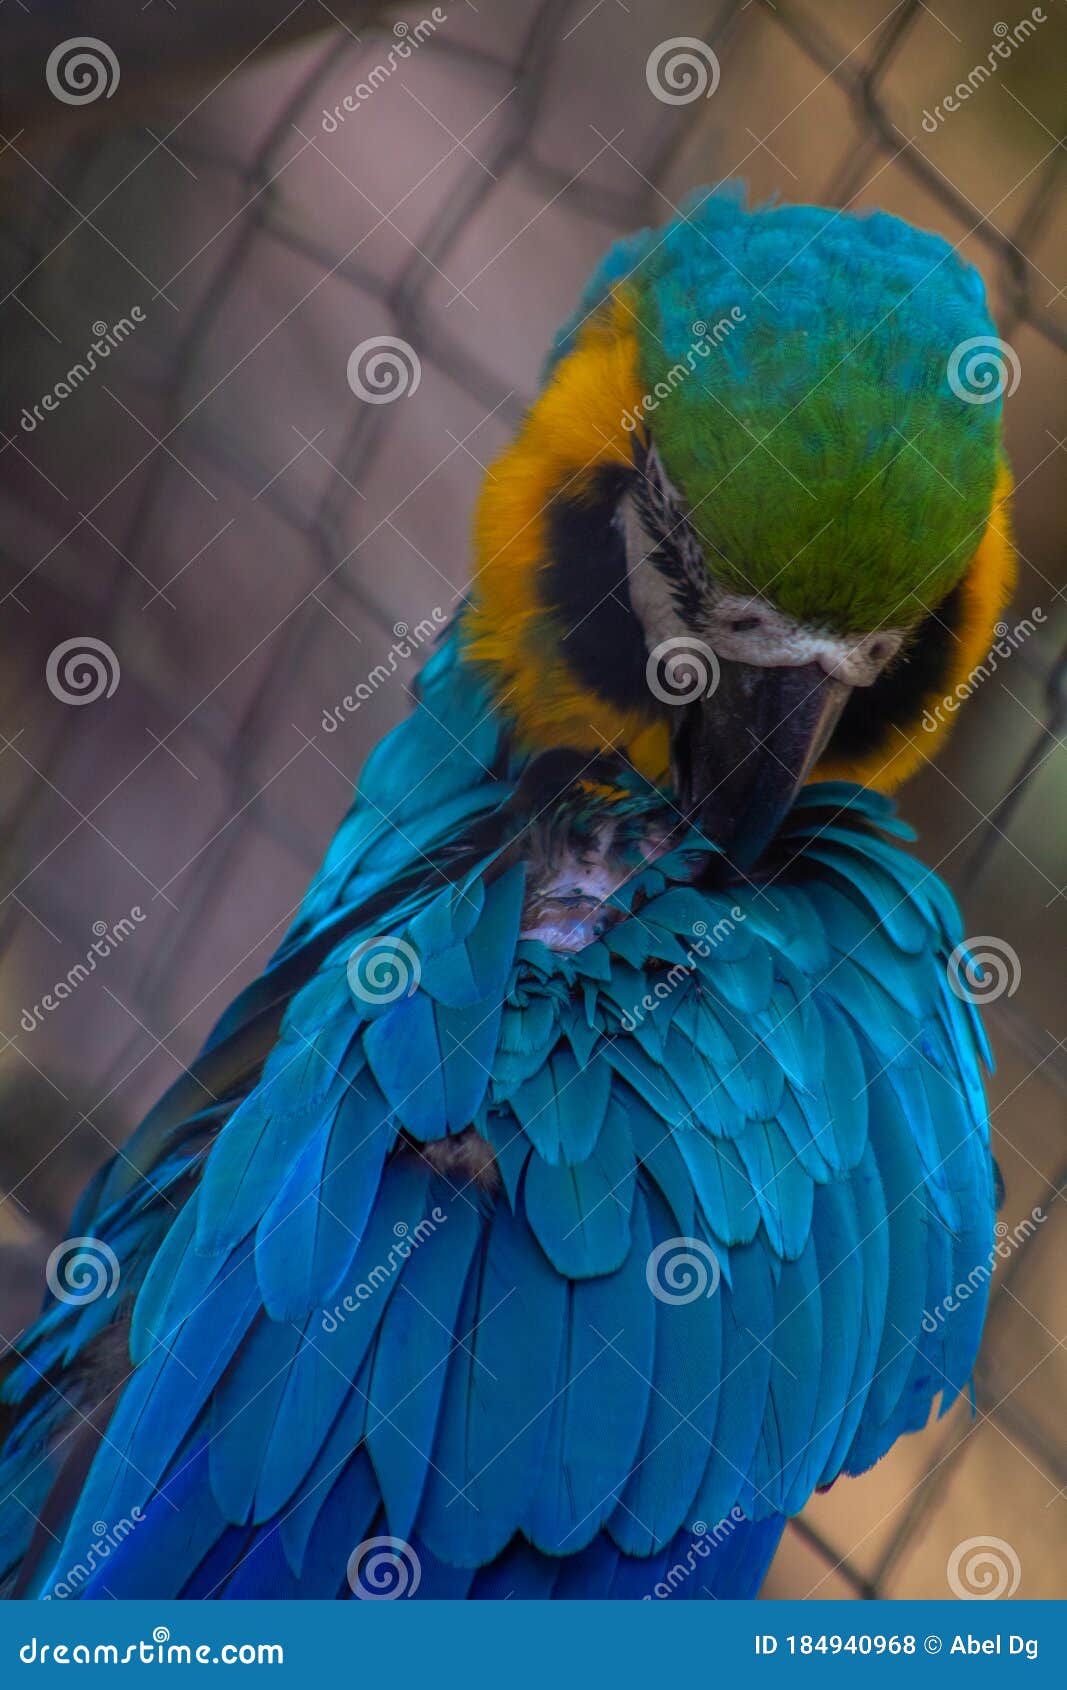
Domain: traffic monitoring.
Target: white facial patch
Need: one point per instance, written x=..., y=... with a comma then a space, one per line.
x=650, y=591
x=750, y=630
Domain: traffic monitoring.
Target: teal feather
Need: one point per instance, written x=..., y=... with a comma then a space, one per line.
x=795, y=1340
x=335, y=1469
x=740, y=1402
x=782, y=1192
x=907, y=1291
x=838, y=1246
x=405, y=1057
x=411, y=1359
x=244, y=1410
x=511, y=1149
x=580, y=1211
x=657, y=1151
x=601, y=1401
x=514, y=1322
x=721, y=1185
x=337, y=1340
x=864, y=1193
x=659, y=1495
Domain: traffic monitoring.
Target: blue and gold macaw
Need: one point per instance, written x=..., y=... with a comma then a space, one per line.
x=585, y=1181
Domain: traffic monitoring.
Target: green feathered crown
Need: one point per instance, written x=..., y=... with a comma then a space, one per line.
x=824, y=390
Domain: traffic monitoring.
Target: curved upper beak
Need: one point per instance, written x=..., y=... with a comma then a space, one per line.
x=740, y=755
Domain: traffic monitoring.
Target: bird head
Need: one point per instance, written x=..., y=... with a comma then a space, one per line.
x=754, y=528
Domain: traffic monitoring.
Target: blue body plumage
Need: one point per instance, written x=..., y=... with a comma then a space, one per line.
x=739, y=1158
x=587, y=1178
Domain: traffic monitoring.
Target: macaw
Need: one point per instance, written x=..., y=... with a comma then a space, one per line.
x=585, y=1181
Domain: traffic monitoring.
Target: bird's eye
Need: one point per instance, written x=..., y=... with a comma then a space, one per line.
x=878, y=652
x=744, y=624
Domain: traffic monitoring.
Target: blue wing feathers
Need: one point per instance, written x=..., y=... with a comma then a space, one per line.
x=336, y=1334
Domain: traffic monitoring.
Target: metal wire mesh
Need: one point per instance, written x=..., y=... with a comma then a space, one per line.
x=215, y=820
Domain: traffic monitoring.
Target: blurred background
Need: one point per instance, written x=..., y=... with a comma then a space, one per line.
x=229, y=201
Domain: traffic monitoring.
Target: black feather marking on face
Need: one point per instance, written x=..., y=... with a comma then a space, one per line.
x=674, y=548
x=899, y=696
x=583, y=587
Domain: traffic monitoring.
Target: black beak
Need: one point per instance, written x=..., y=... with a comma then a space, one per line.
x=741, y=754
